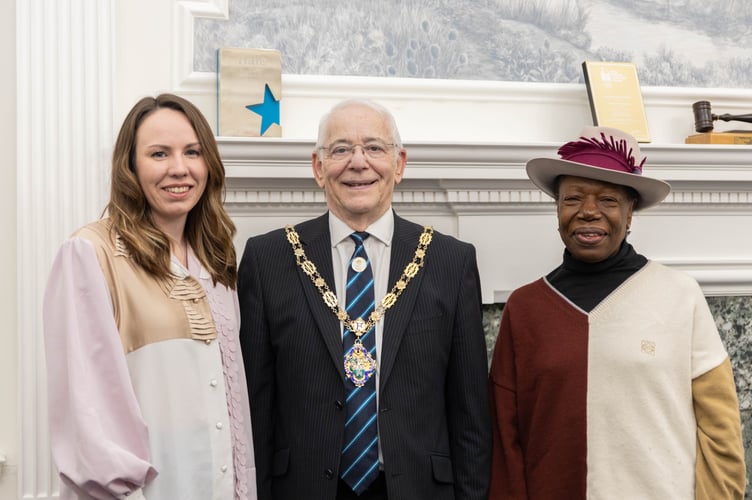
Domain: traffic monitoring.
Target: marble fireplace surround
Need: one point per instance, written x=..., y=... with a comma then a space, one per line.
x=479, y=192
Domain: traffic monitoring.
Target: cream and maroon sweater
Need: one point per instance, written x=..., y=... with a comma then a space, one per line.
x=633, y=400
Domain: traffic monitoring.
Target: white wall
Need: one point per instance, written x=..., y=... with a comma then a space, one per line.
x=8, y=332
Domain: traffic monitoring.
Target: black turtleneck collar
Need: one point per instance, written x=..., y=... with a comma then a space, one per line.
x=588, y=283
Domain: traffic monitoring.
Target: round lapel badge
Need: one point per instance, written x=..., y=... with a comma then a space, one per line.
x=359, y=264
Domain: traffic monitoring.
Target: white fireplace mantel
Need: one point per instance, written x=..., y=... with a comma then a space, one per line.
x=479, y=192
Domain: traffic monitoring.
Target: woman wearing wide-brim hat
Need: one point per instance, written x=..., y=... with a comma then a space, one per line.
x=609, y=379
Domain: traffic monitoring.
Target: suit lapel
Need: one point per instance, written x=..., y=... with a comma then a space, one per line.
x=317, y=244
x=404, y=243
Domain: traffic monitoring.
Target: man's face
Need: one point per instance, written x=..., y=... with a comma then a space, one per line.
x=359, y=185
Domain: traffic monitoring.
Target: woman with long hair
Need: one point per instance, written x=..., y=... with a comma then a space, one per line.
x=147, y=391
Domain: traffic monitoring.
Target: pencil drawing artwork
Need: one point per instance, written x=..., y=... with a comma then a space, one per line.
x=691, y=43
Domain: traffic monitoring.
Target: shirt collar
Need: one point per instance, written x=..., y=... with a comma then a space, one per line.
x=194, y=267
x=382, y=228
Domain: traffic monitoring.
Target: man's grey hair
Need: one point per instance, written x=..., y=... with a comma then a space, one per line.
x=384, y=112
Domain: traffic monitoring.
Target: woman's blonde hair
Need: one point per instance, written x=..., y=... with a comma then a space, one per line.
x=208, y=229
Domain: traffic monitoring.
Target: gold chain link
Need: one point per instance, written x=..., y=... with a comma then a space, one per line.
x=330, y=299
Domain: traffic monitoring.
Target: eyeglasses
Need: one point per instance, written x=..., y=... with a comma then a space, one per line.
x=374, y=150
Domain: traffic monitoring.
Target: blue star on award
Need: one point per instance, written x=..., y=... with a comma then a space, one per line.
x=267, y=110
x=249, y=90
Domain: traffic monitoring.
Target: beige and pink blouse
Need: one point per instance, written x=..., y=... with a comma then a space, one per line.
x=147, y=390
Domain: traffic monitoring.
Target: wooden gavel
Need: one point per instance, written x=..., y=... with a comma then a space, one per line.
x=704, y=118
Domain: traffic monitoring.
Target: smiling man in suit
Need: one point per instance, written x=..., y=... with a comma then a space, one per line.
x=362, y=338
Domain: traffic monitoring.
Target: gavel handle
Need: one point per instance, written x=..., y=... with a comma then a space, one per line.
x=737, y=118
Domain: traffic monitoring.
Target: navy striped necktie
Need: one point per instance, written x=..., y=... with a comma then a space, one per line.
x=360, y=452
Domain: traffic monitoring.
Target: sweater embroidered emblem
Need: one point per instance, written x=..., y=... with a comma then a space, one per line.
x=647, y=347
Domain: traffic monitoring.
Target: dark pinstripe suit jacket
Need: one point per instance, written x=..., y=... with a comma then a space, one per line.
x=433, y=420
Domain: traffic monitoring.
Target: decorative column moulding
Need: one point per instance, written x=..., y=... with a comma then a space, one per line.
x=64, y=131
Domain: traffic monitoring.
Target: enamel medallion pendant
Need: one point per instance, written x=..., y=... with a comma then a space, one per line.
x=359, y=365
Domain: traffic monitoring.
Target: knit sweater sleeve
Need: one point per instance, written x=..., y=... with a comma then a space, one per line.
x=720, y=471
x=508, y=463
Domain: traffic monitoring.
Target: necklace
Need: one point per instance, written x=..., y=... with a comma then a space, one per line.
x=359, y=365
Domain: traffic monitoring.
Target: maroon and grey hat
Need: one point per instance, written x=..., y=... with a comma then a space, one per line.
x=603, y=154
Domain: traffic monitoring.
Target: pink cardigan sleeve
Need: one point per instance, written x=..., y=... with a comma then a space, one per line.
x=98, y=437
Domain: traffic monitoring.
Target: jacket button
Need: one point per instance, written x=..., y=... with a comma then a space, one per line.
x=339, y=404
x=329, y=473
